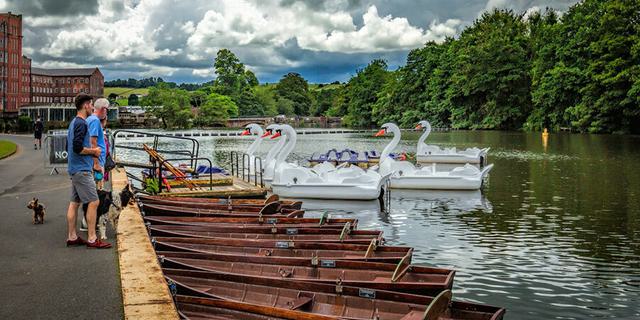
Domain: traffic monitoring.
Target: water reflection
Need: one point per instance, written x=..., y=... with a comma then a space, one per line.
x=554, y=234
x=462, y=200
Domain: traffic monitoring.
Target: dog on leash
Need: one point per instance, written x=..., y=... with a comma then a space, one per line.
x=38, y=211
x=120, y=201
x=109, y=208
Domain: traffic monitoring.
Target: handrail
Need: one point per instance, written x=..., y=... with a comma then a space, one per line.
x=195, y=145
x=244, y=171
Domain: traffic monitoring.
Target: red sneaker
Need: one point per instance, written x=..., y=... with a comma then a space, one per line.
x=77, y=242
x=98, y=245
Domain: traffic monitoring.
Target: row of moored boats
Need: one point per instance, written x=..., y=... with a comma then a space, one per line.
x=262, y=259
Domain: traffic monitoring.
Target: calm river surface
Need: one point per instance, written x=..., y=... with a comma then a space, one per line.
x=554, y=234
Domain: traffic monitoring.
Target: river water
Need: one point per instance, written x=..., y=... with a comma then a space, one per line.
x=554, y=233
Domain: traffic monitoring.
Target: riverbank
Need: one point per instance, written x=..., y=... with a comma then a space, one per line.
x=41, y=276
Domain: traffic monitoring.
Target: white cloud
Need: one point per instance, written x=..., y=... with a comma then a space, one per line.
x=240, y=23
x=203, y=73
x=60, y=64
x=273, y=37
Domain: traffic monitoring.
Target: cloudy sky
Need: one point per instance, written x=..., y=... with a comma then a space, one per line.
x=178, y=39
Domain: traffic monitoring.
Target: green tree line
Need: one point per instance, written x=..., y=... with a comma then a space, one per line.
x=580, y=70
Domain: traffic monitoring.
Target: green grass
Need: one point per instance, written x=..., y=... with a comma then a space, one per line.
x=125, y=91
x=7, y=148
x=123, y=102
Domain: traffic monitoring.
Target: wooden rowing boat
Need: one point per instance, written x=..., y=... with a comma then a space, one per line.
x=298, y=250
x=199, y=308
x=245, y=202
x=347, y=235
x=270, y=209
x=211, y=206
x=270, y=221
x=402, y=277
x=266, y=209
x=339, y=301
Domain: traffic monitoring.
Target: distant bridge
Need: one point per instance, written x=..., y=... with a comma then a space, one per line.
x=309, y=122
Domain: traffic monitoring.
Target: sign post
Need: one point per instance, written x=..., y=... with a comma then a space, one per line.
x=55, y=155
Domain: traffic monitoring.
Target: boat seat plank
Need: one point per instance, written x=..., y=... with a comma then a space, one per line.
x=300, y=302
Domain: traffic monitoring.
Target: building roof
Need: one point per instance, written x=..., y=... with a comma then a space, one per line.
x=64, y=72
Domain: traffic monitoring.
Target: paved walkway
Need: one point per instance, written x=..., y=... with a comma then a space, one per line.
x=40, y=277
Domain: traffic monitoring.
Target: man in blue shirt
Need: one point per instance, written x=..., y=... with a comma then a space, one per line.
x=80, y=167
x=96, y=133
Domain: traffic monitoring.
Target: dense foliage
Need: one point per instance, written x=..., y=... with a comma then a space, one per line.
x=172, y=106
x=580, y=70
x=294, y=88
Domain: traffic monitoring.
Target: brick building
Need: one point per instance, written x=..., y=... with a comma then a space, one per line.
x=62, y=85
x=14, y=74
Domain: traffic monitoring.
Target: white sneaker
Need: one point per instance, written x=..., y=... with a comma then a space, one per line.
x=83, y=225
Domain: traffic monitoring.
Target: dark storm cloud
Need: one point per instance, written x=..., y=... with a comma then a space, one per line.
x=39, y=8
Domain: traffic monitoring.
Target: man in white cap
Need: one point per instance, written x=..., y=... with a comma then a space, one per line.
x=101, y=106
x=96, y=134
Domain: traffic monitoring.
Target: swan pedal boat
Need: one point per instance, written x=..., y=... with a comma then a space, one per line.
x=404, y=175
x=435, y=154
x=323, y=181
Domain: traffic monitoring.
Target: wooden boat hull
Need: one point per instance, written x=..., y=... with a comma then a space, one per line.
x=204, y=205
x=154, y=209
x=316, y=298
x=416, y=280
x=199, y=308
x=245, y=202
x=290, y=234
x=295, y=250
x=240, y=222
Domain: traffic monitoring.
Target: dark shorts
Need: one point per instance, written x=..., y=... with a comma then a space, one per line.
x=83, y=188
x=37, y=135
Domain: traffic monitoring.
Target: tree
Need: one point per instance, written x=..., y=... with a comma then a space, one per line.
x=285, y=106
x=323, y=100
x=133, y=100
x=198, y=97
x=170, y=105
x=216, y=109
x=235, y=81
x=362, y=93
x=490, y=77
x=251, y=78
x=112, y=97
x=265, y=96
x=295, y=88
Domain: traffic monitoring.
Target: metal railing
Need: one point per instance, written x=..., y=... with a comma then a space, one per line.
x=242, y=168
x=192, y=154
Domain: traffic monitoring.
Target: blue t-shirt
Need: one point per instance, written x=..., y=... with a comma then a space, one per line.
x=95, y=130
x=77, y=139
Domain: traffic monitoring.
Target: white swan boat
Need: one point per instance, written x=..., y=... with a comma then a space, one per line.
x=269, y=164
x=293, y=181
x=404, y=175
x=252, y=129
x=434, y=154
